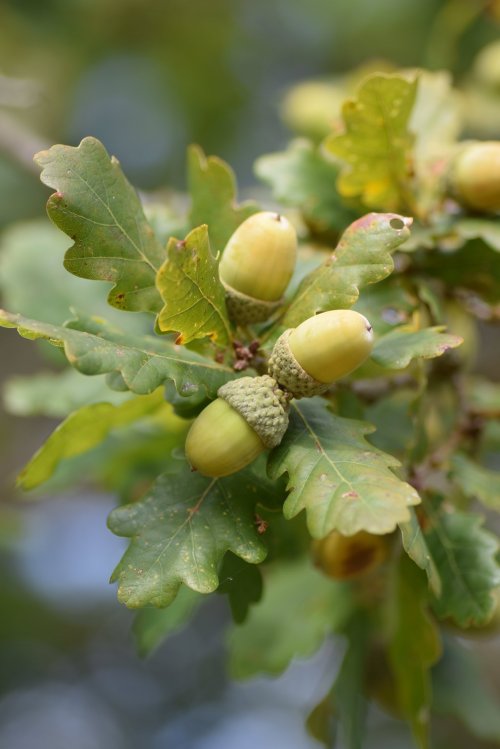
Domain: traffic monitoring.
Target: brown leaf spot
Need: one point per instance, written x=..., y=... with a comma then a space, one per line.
x=350, y=495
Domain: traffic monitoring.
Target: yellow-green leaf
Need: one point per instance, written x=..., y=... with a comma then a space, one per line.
x=193, y=296
x=376, y=145
x=83, y=430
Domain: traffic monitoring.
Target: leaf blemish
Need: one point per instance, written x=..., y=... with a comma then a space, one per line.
x=350, y=495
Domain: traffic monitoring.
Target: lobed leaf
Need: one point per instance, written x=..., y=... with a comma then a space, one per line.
x=413, y=649
x=464, y=554
x=99, y=209
x=342, y=481
x=396, y=349
x=476, y=481
x=310, y=604
x=302, y=177
x=81, y=431
x=56, y=394
x=193, y=295
x=137, y=363
x=362, y=257
x=415, y=545
x=212, y=186
x=376, y=145
x=180, y=532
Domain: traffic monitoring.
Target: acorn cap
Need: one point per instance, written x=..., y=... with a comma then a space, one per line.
x=262, y=403
x=285, y=368
x=245, y=309
x=307, y=359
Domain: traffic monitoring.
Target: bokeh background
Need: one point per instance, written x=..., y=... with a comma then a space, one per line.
x=149, y=77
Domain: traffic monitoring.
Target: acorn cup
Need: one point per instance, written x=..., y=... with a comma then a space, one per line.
x=475, y=176
x=257, y=265
x=307, y=359
x=249, y=416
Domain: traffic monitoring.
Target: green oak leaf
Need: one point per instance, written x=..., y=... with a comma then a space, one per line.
x=142, y=363
x=415, y=545
x=34, y=282
x=83, y=430
x=193, y=295
x=464, y=554
x=99, y=209
x=302, y=177
x=242, y=583
x=180, y=532
x=362, y=257
x=414, y=647
x=342, y=481
x=152, y=626
x=487, y=229
x=56, y=394
x=483, y=397
x=394, y=422
x=387, y=304
x=459, y=689
x=476, y=481
x=299, y=608
x=343, y=710
x=474, y=266
x=377, y=143
x=396, y=349
x=212, y=186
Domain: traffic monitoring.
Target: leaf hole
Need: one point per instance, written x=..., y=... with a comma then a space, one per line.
x=397, y=224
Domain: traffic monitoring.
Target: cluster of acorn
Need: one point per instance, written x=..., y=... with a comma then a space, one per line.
x=251, y=413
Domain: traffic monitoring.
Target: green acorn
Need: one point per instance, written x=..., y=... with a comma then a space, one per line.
x=307, y=359
x=249, y=416
x=475, y=176
x=257, y=266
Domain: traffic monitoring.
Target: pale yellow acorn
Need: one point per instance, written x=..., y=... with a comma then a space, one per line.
x=249, y=416
x=475, y=176
x=346, y=557
x=307, y=359
x=257, y=265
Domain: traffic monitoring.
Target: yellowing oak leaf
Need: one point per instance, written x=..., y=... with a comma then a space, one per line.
x=376, y=145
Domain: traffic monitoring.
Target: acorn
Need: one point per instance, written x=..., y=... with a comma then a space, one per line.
x=307, y=359
x=249, y=416
x=475, y=176
x=257, y=265
x=347, y=557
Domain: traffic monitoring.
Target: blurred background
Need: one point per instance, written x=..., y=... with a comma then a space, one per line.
x=149, y=77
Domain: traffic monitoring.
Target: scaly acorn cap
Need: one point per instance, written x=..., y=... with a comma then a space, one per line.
x=247, y=310
x=307, y=359
x=285, y=368
x=257, y=265
x=263, y=405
